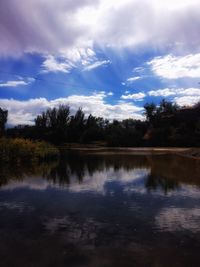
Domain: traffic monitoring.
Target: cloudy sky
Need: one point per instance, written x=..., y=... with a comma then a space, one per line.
x=108, y=57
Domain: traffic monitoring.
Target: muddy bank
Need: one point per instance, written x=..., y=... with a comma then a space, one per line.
x=103, y=150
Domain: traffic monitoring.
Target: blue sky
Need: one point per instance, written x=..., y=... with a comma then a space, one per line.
x=108, y=57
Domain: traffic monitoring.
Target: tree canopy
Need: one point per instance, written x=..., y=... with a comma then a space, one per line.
x=165, y=125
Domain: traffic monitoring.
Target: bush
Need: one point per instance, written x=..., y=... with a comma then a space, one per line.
x=20, y=149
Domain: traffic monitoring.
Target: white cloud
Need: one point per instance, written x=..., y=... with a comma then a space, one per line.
x=138, y=75
x=133, y=79
x=97, y=64
x=51, y=64
x=161, y=24
x=51, y=26
x=82, y=58
x=110, y=93
x=24, y=112
x=187, y=100
x=138, y=70
x=175, y=91
x=17, y=83
x=162, y=92
x=174, y=67
x=182, y=96
x=138, y=96
x=12, y=84
x=82, y=55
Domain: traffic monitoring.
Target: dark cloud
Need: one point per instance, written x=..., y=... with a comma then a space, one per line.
x=52, y=25
x=40, y=25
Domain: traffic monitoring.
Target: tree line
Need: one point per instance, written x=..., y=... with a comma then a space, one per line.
x=165, y=125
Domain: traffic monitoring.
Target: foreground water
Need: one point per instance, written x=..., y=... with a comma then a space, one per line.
x=101, y=210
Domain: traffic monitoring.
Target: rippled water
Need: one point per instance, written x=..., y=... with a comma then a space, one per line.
x=101, y=210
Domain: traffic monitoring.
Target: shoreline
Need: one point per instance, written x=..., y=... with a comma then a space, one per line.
x=190, y=152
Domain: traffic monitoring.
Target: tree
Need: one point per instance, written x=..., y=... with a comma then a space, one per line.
x=167, y=108
x=150, y=111
x=3, y=120
x=52, y=125
x=41, y=121
x=91, y=121
x=76, y=126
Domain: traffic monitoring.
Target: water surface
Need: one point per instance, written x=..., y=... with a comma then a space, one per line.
x=101, y=210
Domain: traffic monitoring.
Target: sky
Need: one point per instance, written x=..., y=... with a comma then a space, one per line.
x=108, y=57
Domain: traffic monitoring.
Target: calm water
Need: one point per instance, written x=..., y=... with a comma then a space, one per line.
x=101, y=210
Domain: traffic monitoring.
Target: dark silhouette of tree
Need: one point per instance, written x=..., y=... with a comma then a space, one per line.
x=94, y=129
x=41, y=121
x=167, y=107
x=150, y=111
x=76, y=126
x=91, y=121
x=165, y=125
x=3, y=120
x=52, y=125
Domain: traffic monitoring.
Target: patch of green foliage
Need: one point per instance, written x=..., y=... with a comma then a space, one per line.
x=19, y=149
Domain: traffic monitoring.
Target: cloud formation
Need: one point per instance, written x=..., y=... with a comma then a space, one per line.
x=24, y=112
x=17, y=83
x=187, y=100
x=173, y=91
x=182, y=96
x=83, y=58
x=51, y=64
x=137, y=97
x=97, y=64
x=161, y=24
x=175, y=67
x=51, y=26
x=75, y=34
x=133, y=79
x=46, y=26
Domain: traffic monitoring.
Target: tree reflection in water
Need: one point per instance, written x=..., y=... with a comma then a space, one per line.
x=165, y=172
x=89, y=207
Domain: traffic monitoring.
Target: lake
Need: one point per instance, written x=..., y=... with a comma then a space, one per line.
x=101, y=209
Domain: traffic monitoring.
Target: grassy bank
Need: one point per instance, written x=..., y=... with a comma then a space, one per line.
x=18, y=149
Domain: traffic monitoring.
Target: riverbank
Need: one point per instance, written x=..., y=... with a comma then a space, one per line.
x=100, y=149
x=23, y=149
